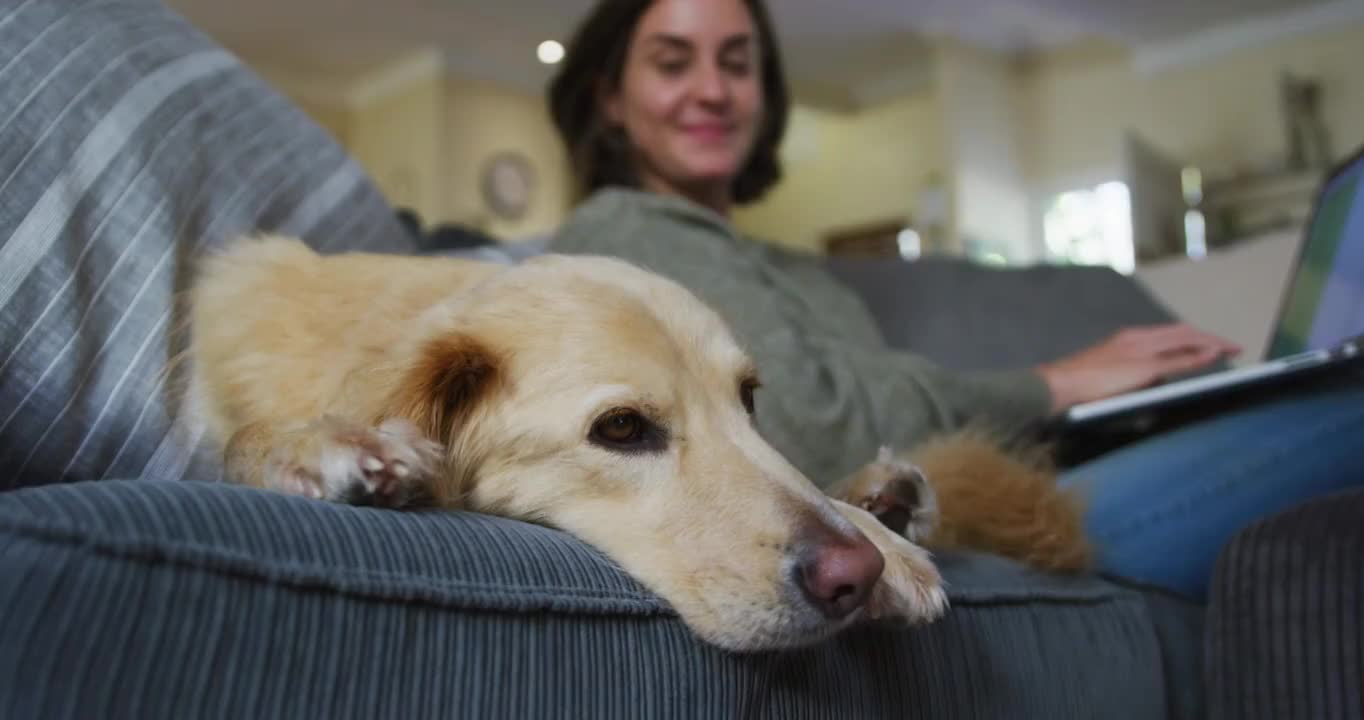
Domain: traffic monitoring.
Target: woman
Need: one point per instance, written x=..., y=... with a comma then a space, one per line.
x=672, y=111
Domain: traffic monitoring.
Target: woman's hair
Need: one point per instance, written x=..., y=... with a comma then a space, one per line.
x=600, y=153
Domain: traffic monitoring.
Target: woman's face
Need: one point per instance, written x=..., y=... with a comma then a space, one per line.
x=690, y=98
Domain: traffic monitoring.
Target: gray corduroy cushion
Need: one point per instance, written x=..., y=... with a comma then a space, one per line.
x=1286, y=616
x=184, y=599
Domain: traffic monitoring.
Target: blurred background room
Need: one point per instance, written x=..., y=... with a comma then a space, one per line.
x=1177, y=142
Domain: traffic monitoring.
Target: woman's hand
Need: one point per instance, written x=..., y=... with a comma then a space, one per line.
x=1131, y=359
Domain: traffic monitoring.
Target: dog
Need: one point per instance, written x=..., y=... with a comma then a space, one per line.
x=581, y=393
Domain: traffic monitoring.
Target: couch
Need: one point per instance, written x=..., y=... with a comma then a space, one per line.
x=134, y=584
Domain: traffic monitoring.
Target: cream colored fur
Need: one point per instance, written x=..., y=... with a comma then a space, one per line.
x=478, y=386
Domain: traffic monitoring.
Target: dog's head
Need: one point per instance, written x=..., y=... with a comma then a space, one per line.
x=591, y=396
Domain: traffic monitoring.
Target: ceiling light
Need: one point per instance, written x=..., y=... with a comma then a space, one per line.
x=550, y=52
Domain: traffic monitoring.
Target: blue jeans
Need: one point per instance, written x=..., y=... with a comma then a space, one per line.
x=1160, y=510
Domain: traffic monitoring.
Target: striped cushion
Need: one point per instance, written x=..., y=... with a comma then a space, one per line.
x=130, y=143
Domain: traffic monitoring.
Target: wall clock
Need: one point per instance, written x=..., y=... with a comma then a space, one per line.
x=508, y=182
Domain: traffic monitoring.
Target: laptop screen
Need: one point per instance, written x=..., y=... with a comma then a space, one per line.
x=1325, y=301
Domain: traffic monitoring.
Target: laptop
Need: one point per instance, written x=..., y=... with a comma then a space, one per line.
x=1319, y=328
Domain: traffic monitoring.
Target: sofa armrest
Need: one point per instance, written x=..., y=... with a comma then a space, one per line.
x=1285, y=631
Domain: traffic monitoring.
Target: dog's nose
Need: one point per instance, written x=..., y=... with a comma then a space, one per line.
x=837, y=575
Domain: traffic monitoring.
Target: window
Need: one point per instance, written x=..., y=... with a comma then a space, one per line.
x=1195, y=225
x=1091, y=227
x=1195, y=235
x=910, y=244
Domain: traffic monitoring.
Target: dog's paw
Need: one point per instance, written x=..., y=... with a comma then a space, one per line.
x=898, y=494
x=391, y=465
x=910, y=590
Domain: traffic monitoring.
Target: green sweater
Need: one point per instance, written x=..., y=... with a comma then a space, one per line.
x=833, y=392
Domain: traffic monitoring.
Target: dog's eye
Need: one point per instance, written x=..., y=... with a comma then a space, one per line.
x=746, y=390
x=621, y=428
x=627, y=430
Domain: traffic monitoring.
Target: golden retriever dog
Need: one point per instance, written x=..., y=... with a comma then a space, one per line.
x=581, y=393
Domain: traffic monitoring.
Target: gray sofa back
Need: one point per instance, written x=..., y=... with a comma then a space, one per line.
x=970, y=316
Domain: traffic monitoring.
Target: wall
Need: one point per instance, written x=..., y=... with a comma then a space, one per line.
x=983, y=117
x=850, y=169
x=1221, y=114
x=424, y=136
x=334, y=117
x=398, y=139
x=390, y=120
x=996, y=132
x=844, y=170
x=481, y=120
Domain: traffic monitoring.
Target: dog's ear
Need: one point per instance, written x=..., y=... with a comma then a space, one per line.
x=449, y=378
